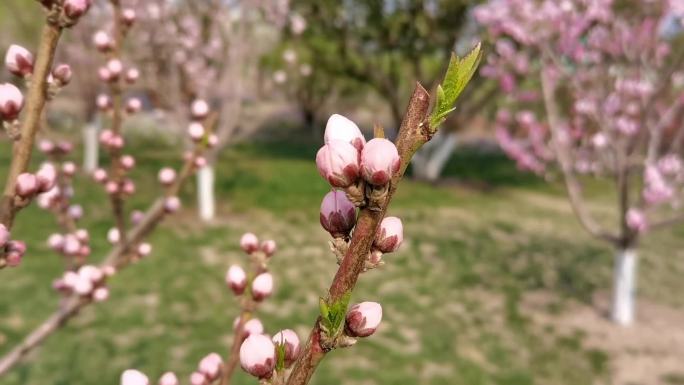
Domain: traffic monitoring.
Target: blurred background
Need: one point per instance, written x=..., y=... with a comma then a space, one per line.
x=496, y=282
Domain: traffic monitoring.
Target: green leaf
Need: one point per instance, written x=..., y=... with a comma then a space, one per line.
x=333, y=315
x=457, y=77
x=280, y=356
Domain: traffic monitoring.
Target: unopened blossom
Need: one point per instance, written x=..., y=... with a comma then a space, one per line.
x=379, y=161
x=132, y=75
x=338, y=163
x=289, y=339
x=144, y=249
x=249, y=243
x=76, y=8
x=337, y=214
x=4, y=235
x=113, y=235
x=210, y=366
x=363, y=319
x=127, y=162
x=133, y=105
x=69, y=168
x=172, y=204
x=168, y=378
x=19, y=61
x=341, y=128
x=103, y=102
x=199, y=109
x=236, y=279
x=134, y=377
x=100, y=294
x=279, y=77
x=197, y=378
x=128, y=16
x=636, y=220
x=262, y=286
x=46, y=177
x=11, y=102
x=26, y=185
x=196, y=131
x=390, y=235
x=257, y=356
x=252, y=327
x=268, y=247
x=62, y=74
x=167, y=176
x=103, y=42
x=115, y=67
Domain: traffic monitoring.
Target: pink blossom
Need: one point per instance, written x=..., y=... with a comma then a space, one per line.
x=210, y=366
x=167, y=176
x=390, y=235
x=257, y=356
x=249, y=243
x=19, y=61
x=196, y=131
x=168, y=378
x=636, y=220
x=236, y=279
x=268, y=247
x=252, y=327
x=63, y=74
x=337, y=214
x=26, y=185
x=379, y=161
x=133, y=377
x=76, y=8
x=199, y=109
x=338, y=163
x=363, y=319
x=288, y=338
x=11, y=102
x=341, y=128
x=262, y=286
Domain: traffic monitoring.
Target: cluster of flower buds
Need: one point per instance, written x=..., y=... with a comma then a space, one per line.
x=259, y=352
x=28, y=185
x=69, y=11
x=74, y=245
x=199, y=111
x=12, y=250
x=87, y=282
x=208, y=370
x=261, y=286
x=123, y=186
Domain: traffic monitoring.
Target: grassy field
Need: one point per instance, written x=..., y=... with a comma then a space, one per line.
x=493, y=264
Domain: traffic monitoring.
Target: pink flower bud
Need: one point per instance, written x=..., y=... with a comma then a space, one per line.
x=167, y=176
x=236, y=279
x=200, y=161
x=63, y=74
x=132, y=75
x=212, y=140
x=210, y=366
x=113, y=235
x=76, y=8
x=636, y=220
x=47, y=177
x=4, y=235
x=104, y=74
x=65, y=147
x=137, y=216
x=128, y=16
x=82, y=235
x=262, y=286
x=46, y=146
x=13, y=258
x=172, y=204
x=115, y=67
x=83, y=286
x=257, y=356
x=199, y=109
x=27, y=185
x=69, y=168
x=249, y=243
x=390, y=235
x=252, y=327
x=379, y=161
x=197, y=378
x=168, y=378
x=71, y=245
x=75, y=211
x=116, y=142
x=338, y=214
x=363, y=319
x=11, y=102
x=341, y=128
x=100, y=294
x=19, y=61
x=338, y=163
x=269, y=247
x=91, y=273
x=288, y=338
x=109, y=270
x=111, y=187
x=128, y=187
x=133, y=105
x=102, y=41
x=133, y=377
x=196, y=131
x=127, y=162
x=144, y=249
x=103, y=102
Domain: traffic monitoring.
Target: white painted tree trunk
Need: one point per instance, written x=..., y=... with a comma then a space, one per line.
x=624, y=292
x=90, y=146
x=205, y=193
x=429, y=163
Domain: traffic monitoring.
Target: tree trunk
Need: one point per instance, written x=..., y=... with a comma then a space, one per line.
x=90, y=145
x=429, y=162
x=205, y=193
x=625, y=287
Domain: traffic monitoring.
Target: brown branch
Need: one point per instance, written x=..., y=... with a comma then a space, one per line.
x=413, y=133
x=35, y=103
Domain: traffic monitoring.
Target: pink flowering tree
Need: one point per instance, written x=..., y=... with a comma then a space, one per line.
x=595, y=90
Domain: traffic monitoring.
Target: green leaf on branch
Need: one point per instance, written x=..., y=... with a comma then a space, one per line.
x=280, y=356
x=334, y=314
x=457, y=76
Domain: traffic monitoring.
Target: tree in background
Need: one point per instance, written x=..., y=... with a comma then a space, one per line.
x=597, y=90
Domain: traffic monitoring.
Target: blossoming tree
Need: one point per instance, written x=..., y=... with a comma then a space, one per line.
x=596, y=89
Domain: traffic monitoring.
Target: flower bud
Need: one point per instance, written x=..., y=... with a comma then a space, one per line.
x=47, y=177
x=212, y=140
x=197, y=378
x=27, y=185
x=11, y=102
x=137, y=216
x=338, y=163
x=91, y=273
x=257, y=356
x=363, y=319
x=288, y=338
x=249, y=243
x=133, y=377
x=167, y=176
x=69, y=168
x=76, y=8
x=65, y=147
x=133, y=105
x=172, y=204
x=390, y=235
x=128, y=16
x=63, y=74
x=132, y=75
x=46, y=146
x=379, y=161
x=127, y=162
x=252, y=327
x=636, y=220
x=210, y=366
x=4, y=235
x=19, y=61
x=128, y=187
x=103, y=102
x=341, y=128
x=15, y=252
x=115, y=67
x=236, y=279
x=196, y=131
x=199, y=109
x=100, y=294
x=262, y=286
x=75, y=211
x=104, y=74
x=102, y=41
x=269, y=247
x=82, y=235
x=338, y=214
x=144, y=249
x=112, y=187
x=71, y=245
x=168, y=378
x=113, y=235
x=83, y=286
x=200, y=161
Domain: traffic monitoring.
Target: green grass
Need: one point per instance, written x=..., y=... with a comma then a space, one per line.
x=452, y=296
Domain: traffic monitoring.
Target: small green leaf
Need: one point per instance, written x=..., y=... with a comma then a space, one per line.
x=457, y=76
x=280, y=356
x=324, y=308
